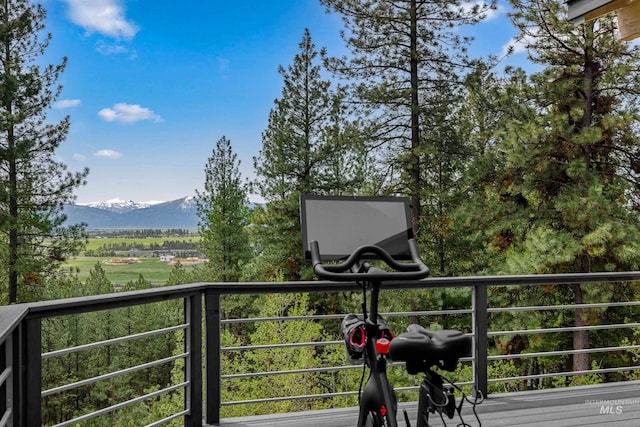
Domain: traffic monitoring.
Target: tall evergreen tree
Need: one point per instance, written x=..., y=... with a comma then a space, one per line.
x=223, y=212
x=33, y=186
x=308, y=147
x=404, y=55
x=556, y=187
x=444, y=154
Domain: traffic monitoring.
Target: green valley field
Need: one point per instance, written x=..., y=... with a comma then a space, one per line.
x=112, y=252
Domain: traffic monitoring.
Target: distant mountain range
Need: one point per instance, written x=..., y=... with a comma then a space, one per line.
x=125, y=214
x=122, y=206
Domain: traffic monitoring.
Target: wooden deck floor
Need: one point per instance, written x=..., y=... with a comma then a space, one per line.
x=610, y=405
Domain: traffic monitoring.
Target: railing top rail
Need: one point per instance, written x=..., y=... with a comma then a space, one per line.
x=532, y=279
x=110, y=301
x=12, y=315
x=430, y=282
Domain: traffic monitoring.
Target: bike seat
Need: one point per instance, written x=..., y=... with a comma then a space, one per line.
x=421, y=348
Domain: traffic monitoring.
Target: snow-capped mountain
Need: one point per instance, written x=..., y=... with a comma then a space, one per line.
x=116, y=213
x=188, y=203
x=121, y=206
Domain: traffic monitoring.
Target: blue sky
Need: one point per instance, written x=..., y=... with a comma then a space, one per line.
x=151, y=85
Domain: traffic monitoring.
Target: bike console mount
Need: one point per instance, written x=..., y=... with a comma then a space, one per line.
x=355, y=229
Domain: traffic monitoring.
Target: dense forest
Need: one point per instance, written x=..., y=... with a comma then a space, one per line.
x=144, y=233
x=119, y=248
x=508, y=171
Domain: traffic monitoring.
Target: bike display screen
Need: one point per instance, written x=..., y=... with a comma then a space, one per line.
x=342, y=224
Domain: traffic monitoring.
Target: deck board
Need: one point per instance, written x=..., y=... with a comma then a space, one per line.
x=567, y=407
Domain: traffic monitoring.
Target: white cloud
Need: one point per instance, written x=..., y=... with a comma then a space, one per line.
x=106, y=17
x=519, y=44
x=79, y=157
x=495, y=13
x=66, y=103
x=108, y=154
x=128, y=114
x=111, y=49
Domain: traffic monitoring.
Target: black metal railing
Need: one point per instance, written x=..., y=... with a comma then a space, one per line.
x=22, y=356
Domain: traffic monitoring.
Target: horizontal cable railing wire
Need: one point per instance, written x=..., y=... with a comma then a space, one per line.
x=288, y=398
x=122, y=405
x=314, y=370
x=5, y=382
x=113, y=374
x=6, y=418
x=565, y=307
x=5, y=375
x=291, y=372
x=564, y=329
x=284, y=345
x=565, y=374
x=98, y=344
x=341, y=316
x=563, y=352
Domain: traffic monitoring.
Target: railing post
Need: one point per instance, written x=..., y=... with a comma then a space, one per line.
x=212, y=329
x=480, y=329
x=31, y=374
x=193, y=396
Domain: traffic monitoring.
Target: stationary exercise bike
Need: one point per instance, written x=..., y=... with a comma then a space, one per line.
x=368, y=338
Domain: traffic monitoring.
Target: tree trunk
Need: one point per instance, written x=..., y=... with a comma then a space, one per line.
x=581, y=361
x=581, y=338
x=13, y=218
x=441, y=214
x=414, y=165
x=13, y=177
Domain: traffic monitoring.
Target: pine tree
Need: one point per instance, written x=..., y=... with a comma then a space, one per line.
x=34, y=186
x=308, y=148
x=223, y=212
x=556, y=187
x=444, y=155
x=404, y=55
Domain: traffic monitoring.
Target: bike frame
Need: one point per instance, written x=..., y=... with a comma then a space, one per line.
x=378, y=396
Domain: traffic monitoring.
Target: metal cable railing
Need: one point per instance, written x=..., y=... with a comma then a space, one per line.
x=132, y=338
x=22, y=359
x=317, y=370
x=490, y=358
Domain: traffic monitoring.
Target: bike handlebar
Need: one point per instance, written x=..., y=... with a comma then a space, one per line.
x=338, y=272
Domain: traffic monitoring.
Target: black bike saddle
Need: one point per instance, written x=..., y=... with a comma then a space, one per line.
x=421, y=348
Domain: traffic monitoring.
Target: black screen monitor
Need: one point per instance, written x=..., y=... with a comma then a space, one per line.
x=342, y=224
